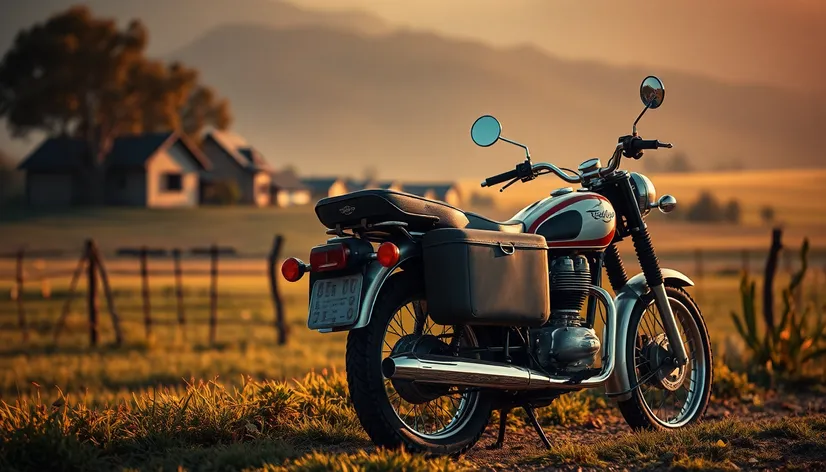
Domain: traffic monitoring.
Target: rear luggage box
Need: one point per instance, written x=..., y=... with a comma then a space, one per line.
x=486, y=277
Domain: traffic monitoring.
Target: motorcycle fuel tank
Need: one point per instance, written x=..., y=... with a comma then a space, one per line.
x=577, y=220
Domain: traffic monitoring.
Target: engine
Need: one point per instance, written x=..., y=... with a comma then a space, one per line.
x=564, y=343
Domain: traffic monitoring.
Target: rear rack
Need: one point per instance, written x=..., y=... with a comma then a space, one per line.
x=371, y=231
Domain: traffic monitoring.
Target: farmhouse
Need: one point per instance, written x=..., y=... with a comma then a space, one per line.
x=150, y=170
x=287, y=190
x=235, y=161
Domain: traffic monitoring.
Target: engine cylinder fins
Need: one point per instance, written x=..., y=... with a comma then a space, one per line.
x=570, y=278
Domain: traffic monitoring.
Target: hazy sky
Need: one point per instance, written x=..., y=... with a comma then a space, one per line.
x=781, y=42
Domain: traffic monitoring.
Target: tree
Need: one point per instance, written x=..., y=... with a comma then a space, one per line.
x=679, y=163
x=705, y=209
x=81, y=76
x=767, y=214
x=731, y=213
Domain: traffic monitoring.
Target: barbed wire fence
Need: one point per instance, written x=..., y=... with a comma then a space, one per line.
x=93, y=267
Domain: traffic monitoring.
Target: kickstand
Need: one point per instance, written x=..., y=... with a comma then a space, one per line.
x=532, y=417
x=503, y=419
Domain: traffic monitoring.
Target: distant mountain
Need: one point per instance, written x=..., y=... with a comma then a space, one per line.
x=174, y=23
x=333, y=101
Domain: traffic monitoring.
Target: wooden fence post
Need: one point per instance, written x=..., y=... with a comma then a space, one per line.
x=21, y=308
x=81, y=264
x=147, y=309
x=213, y=293
x=278, y=303
x=768, y=277
x=179, y=290
x=92, y=299
x=107, y=291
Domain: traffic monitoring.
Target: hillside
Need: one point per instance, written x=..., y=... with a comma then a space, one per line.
x=173, y=24
x=336, y=101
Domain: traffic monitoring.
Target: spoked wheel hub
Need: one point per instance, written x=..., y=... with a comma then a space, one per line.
x=417, y=393
x=668, y=377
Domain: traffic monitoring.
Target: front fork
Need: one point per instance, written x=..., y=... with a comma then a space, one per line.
x=653, y=277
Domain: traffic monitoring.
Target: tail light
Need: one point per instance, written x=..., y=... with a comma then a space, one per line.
x=293, y=269
x=388, y=254
x=328, y=257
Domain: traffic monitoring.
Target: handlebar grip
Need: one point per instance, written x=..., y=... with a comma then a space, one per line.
x=497, y=179
x=647, y=144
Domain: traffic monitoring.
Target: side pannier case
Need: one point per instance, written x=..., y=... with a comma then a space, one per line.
x=486, y=277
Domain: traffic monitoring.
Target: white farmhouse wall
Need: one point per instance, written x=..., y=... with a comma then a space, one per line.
x=174, y=159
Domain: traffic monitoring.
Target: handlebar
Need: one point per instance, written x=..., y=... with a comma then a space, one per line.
x=649, y=144
x=498, y=179
x=629, y=145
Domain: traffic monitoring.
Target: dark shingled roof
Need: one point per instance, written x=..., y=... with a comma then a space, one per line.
x=61, y=154
x=64, y=154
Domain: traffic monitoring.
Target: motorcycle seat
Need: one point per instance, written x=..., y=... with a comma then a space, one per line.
x=421, y=214
x=477, y=221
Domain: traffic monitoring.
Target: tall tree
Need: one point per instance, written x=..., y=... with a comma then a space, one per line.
x=81, y=76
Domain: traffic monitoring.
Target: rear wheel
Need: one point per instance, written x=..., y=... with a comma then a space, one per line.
x=423, y=418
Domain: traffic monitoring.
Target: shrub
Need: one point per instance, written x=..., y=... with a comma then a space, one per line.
x=731, y=385
x=796, y=340
x=222, y=192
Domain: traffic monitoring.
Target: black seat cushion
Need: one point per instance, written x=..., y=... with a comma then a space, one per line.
x=421, y=214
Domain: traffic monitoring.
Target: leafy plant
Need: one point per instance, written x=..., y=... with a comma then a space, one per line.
x=796, y=339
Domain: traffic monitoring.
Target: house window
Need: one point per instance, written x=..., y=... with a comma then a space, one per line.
x=173, y=182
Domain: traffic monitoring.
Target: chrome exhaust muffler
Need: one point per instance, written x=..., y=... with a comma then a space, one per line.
x=466, y=372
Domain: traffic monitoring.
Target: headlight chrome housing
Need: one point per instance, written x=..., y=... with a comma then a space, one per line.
x=644, y=192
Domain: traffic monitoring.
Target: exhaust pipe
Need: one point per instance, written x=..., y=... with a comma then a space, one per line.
x=449, y=370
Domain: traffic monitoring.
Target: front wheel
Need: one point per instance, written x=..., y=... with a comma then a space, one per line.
x=434, y=419
x=666, y=398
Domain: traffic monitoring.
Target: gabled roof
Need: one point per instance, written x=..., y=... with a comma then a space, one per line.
x=65, y=154
x=60, y=154
x=287, y=180
x=320, y=184
x=241, y=152
x=134, y=151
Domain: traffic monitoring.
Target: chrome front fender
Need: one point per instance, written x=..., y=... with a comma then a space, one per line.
x=618, y=385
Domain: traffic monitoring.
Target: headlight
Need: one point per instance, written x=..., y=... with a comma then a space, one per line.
x=644, y=192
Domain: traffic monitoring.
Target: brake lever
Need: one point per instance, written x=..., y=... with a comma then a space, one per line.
x=509, y=184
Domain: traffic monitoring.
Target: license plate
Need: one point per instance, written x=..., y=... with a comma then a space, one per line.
x=335, y=302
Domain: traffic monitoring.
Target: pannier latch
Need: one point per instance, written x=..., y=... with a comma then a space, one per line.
x=507, y=250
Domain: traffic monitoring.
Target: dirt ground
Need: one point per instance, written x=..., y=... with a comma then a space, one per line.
x=521, y=446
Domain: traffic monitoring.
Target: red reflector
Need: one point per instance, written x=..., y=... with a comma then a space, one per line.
x=328, y=257
x=292, y=269
x=388, y=254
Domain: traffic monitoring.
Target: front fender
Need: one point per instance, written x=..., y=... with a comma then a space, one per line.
x=625, y=301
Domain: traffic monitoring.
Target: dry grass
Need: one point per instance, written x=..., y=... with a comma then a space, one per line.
x=726, y=445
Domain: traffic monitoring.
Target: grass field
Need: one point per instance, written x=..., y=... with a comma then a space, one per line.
x=175, y=400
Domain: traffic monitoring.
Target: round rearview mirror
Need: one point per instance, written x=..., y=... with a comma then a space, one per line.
x=652, y=92
x=485, y=131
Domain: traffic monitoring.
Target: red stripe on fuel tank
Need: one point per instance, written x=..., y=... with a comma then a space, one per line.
x=556, y=208
x=601, y=242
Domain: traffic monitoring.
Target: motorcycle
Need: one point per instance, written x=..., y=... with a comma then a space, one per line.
x=452, y=315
